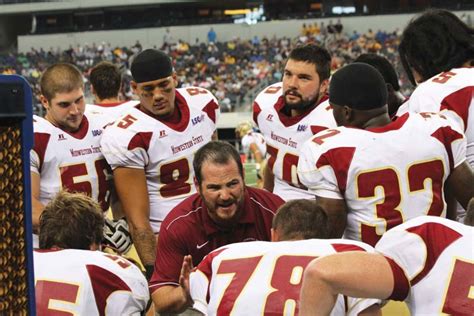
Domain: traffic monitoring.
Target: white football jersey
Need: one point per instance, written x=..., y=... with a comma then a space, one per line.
x=110, y=112
x=165, y=151
x=264, y=278
x=83, y=282
x=386, y=175
x=71, y=161
x=452, y=92
x=284, y=136
x=436, y=256
x=254, y=138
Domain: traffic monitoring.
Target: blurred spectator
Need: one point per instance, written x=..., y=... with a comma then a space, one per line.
x=211, y=36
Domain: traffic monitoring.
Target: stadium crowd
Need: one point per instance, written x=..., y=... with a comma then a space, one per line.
x=228, y=69
x=352, y=170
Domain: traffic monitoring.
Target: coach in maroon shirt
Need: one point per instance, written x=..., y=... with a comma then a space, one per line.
x=224, y=211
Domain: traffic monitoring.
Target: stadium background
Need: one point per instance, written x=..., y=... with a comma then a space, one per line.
x=35, y=33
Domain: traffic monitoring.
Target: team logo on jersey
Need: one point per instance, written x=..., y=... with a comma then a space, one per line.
x=96, y=132
x=61, y=137
x=270, y=117
x=198, y=119
x=162, y=134
x=301, y=128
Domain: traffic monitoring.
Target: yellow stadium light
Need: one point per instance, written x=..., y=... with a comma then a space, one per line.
x=237, y=12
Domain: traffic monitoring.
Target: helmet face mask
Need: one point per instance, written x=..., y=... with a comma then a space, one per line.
x=243, y=128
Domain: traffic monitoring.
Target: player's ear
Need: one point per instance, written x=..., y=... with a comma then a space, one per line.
x=175, y=79
x=196, y=184
x=348, y=113
x=44, y=101
x=134, y=86
x=323, y=87
x=274, y=235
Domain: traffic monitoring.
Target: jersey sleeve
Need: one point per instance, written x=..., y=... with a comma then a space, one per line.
x=119, y=286
x=315, y=173
x=121, y=149
x=411, y=260
x=212, y=109
x=446, y=130
x=41, y=141
x=169, y=259
x=34, y=162
x=357, y=305
x=414, y=247
x=199, y=287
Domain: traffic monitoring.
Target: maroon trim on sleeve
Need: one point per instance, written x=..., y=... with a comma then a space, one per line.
x=316, y=129
x=210, y=109
x=437, y=238
x=206, y=268
x=446, y=135
x=255, y=112
x=41, y=141
x=459, y=102
x=340, y=160
x=104, y=283
x=140, y=140
x=401, y=286
x=346, y=247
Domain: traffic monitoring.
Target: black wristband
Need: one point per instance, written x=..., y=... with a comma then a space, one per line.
x=149, y=271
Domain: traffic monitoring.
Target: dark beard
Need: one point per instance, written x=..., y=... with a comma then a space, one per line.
x=302, y=105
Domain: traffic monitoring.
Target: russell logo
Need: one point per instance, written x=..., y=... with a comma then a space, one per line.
x=162, y=134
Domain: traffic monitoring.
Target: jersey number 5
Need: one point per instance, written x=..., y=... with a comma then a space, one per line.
x=76, y=178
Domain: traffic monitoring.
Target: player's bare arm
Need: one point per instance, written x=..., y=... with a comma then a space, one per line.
x=356, y=274
x=35, y=194
x=460, y=183
x=268, y=179
x=115, y=205
x=133, y=194
x=337, y=214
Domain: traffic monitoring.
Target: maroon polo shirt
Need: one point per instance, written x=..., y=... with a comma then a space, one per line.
x=188, y=230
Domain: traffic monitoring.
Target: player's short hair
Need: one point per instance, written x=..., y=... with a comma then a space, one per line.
x=301, y=219
x=71, y=221
x=383, y=66
x=435, y=41
x=316, y=55
x=217, y=152
x=469, y=219
x=60, y=78
x=106, y=79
